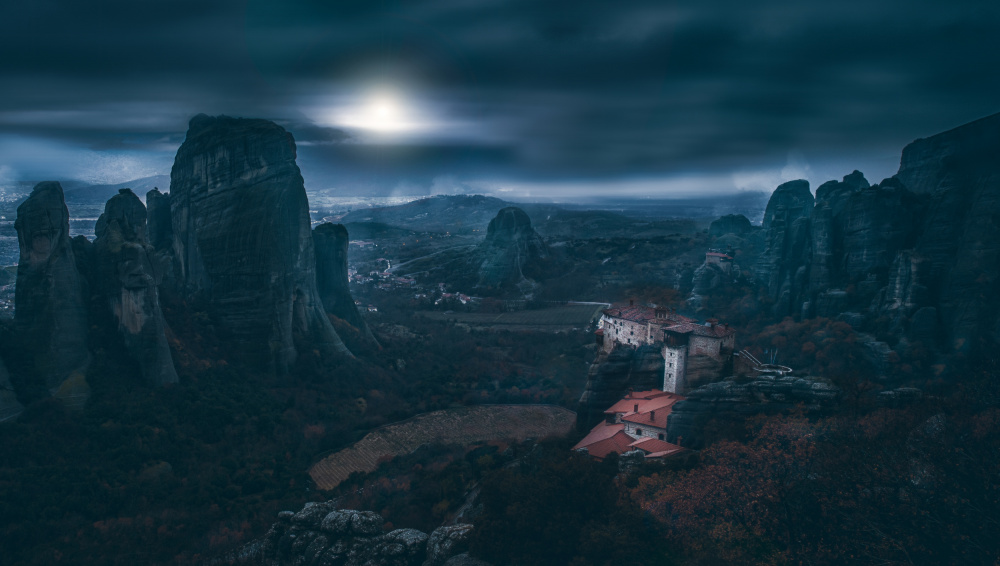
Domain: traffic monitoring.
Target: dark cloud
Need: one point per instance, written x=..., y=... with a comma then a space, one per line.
x=520, y=90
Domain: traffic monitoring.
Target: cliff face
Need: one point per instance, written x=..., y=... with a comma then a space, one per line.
x=924, y=241
x=331, y=242
x=512, y=253
x=959, y=173
x=242, y=237
x=126, y=275
x=50, y=315
x=614, y=373
x=160, y=229
x=782, y=266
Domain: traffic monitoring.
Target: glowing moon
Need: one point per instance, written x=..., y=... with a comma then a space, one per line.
x=382, y=114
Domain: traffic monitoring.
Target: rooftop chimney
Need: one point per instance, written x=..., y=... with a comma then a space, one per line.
x=635, y=409
x=652, y=416
x=631, y=302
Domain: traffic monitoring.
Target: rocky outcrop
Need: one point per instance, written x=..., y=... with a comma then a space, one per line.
x=243, y=241
x=160, y=230
x=323, y=535
x=50, y=314
x=925, y=241
x=782, y=266
x=958, y=173
x=730, y=402
x=730, y=224
x=126, y=276
x=331, y=242
x=614, y=373
x=513, y=253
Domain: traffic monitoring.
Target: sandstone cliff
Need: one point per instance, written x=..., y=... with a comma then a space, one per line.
x=50, y=316
x=331, y=241
x=126, y=276
x=243, y=241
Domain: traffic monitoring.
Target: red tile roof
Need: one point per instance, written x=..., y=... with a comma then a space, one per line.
x=602, y=431
x=716, y=254
x=627, y=405
x=619, y=443
x=653, y=417
x=653, y=445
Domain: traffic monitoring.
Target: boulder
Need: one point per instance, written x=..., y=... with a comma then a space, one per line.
x=50, y=314
x=243, y=240
x=126, y=276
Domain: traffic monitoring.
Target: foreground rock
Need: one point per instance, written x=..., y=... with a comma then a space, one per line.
x=725, y=404
x=322, y=535
x=513, y=254
x=126, y=276
x=331, y=241
x=50, y=313
x=243, y=240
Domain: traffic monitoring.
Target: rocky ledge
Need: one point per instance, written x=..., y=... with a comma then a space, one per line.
x=323, y=535
x=732, y=401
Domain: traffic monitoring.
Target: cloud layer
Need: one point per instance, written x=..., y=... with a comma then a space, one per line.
x=556, y=93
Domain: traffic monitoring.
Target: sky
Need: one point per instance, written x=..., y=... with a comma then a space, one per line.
x=545, y=99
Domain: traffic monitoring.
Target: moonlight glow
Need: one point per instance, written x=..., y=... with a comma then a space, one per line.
x=383, y=113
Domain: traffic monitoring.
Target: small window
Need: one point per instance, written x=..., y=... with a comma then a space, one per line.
x=660, y=436
x=638, y=431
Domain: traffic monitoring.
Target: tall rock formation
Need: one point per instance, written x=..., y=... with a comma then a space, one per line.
x=126, y=275
x=920, y=250
x=243, y=240
x=160, y=230
x=782, y=266
x=958, y=172
x=513, y=253
x=331, y=241
x=50, y=314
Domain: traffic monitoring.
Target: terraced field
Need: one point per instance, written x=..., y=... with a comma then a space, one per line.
x=464, y=425
x=562, y=317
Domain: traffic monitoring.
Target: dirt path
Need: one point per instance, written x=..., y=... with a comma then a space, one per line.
x=464, y=425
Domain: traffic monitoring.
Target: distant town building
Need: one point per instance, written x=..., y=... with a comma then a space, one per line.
x=692, y=352
x=637, y=422
x=723, y=260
